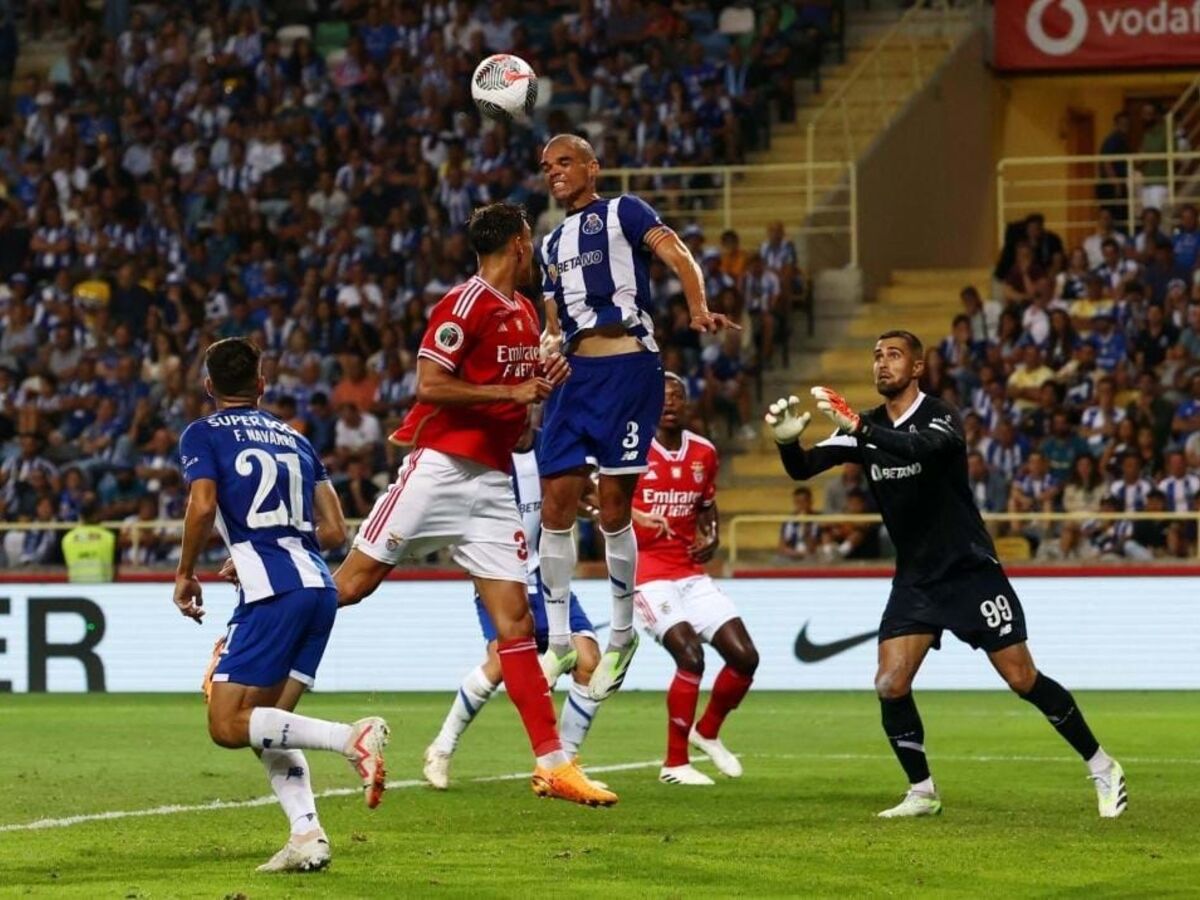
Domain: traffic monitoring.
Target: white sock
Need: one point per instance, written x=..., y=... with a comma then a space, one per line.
x=924, y=787
x=1100, y=763
x=620, y=551
x=553, y=760
x=578, y=713
x=287, y=770
x=278, y=729
x=557, y=552
x=473, y=693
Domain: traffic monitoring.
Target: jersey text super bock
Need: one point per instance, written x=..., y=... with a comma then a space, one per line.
x=596, y=268
x=266, y=473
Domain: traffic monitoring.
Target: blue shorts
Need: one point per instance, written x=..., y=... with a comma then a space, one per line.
x=604, y=416
x=284, y=637
x=580, y=623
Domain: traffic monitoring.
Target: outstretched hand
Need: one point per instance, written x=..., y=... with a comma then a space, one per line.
x=835, y=406
x=786, y=421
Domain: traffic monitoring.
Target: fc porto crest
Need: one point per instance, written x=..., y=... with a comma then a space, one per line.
x=591, y=224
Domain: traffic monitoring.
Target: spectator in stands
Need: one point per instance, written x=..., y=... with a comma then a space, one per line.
x=988, y=487
x=1025, y=383
x=357, y=491
x=855, y=541
x=1154, y=171
x=1093, y=244
x=1186, y=241
x=1150, y=236
x=984, y=316
x=1026, y=279
x=1046, y=245
x=1111, y=187
x=1006, y=450
x=1108, y=342
x=762, y=294
x=1063, y=446
x=357, y=436
x=727, y=386
x=837, y=492
x=1085, y=486
x=1132, y=488
x=1099, y=421
x=799, y=540
x=1154, y=340
x=1071, y=283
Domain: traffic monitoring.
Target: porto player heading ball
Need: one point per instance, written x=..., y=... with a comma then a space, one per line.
x=947, y=576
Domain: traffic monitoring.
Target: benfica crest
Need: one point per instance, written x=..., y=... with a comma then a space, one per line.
x=698, y=472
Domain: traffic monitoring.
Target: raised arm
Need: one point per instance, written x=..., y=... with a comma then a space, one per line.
x=668, y=247
x=787, y=424
x=942, y=435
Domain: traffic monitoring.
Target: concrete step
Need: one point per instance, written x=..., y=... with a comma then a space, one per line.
x=930, y=296
x=734, y=500
x=870, y=325
x=922, y=277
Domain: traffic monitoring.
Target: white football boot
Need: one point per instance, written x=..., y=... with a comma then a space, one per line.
x=685, y=774
x=364, y=752
x=915, y=803
x=556, y=662
x=727, y=764
x=437, y=768
x=302, y=853
x=610, y=671
x=1110, y=791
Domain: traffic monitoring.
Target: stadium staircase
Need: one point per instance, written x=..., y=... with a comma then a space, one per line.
x=838, y=352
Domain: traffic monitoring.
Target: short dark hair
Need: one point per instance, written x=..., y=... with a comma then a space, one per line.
x=491, y=227
x=232, y=365
x=914, y=342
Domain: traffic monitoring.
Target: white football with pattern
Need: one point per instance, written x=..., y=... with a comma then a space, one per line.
x=504, y=87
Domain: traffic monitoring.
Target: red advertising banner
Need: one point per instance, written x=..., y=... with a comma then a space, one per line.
x=1096, y=34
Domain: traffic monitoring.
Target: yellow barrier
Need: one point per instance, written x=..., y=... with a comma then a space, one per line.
x=731, y=539
x=1055, y=187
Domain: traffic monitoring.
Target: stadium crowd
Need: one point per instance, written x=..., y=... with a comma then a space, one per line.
x=200, y=172
x=1079, y=384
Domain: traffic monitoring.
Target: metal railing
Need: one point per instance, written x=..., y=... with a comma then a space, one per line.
x=811, y=199
x=1067, y=190
x=1183, y=119
x=737, y=522
x=874, y=92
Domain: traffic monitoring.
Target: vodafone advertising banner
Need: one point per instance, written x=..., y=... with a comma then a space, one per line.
x=1096, y=34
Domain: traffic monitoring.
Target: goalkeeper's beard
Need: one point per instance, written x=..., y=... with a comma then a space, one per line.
x=890, y=389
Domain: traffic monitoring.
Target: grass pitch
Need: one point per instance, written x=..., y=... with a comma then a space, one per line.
x=1020, y=816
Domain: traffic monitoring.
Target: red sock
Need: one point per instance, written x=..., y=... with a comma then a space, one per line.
x=728, y=690
x=682, y=697
x=527, y=689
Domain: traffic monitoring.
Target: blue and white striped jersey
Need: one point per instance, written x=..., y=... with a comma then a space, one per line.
x=596, y=267
x=266, y=473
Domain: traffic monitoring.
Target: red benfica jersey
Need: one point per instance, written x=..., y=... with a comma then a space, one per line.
x=482, y=337
x=676, y=485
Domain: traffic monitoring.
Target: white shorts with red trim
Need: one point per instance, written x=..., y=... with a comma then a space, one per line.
x=661, y=605
x=440, y=501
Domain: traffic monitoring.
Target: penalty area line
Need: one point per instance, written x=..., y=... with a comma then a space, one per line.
x=269, y=800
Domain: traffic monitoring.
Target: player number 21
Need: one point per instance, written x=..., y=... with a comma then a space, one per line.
x=996, y=611
x=268, y=474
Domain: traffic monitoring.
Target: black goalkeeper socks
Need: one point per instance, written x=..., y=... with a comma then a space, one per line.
x=906, y=734
x=1058, y=706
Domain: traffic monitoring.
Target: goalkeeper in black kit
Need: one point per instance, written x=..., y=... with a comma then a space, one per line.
x=947, y=576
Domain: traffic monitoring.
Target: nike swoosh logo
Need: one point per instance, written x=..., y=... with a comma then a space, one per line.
x=808, y=652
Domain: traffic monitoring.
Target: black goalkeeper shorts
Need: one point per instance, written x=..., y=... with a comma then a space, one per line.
x=978, y=606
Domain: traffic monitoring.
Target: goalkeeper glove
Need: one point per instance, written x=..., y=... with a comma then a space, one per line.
x=786, y=421
x=835, y=406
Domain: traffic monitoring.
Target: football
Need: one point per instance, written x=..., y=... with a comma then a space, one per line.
x=504, y=87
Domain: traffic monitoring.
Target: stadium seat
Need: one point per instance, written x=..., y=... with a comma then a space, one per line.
x=1013, y=549
x=331, y=36
x=736, y=20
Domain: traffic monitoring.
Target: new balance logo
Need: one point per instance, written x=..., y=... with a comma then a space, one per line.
x=628, y=456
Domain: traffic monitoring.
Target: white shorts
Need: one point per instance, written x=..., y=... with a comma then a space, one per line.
x=441, y=501
x=661, y=605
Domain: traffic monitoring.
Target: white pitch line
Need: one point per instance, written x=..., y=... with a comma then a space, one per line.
x=212, y=805
x=1135, y=760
